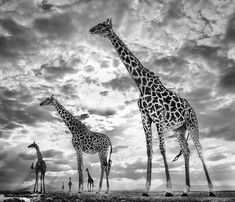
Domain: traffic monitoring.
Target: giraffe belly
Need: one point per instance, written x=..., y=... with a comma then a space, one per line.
x=89, y=151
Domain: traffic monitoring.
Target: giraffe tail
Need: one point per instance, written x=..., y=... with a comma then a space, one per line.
x=181, y=151
x=110, y=161
x=32, y=166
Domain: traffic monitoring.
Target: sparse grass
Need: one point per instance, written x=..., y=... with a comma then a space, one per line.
x=123, y=196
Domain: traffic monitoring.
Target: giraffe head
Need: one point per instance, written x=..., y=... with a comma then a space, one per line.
x=86, y=170
x=34, y=145
x=103, y=29
x=47, y=101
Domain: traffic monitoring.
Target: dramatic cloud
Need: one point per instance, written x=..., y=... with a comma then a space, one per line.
x=46, y=48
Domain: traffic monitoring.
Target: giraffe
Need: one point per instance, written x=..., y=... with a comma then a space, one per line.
x=70, y=184
x=160, y=106
x=90, y=183
x=40, y=167
x=85, y=140
x=62, y=186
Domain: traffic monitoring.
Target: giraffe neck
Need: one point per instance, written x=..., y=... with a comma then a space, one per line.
x=67, y=117
x=136, y=70
x=39, y=155
x=88, y=174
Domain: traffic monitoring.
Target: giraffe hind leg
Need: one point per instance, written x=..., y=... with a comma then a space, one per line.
x=180, y=134
x=194, y=133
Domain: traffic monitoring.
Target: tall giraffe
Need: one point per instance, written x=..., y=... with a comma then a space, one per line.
x=158, y=105
x=84, y=140
x=90, y=181
x=40, y=167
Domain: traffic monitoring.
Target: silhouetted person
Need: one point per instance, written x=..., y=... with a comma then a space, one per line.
x=70, y=184
x=62, y=186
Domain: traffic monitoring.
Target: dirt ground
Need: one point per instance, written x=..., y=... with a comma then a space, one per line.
x=119, y=196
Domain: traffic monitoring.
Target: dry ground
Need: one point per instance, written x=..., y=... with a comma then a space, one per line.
x=120, y=196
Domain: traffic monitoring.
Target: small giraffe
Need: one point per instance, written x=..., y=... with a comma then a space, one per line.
x=158, y=105
x=90, y=183
x=85, y=140
x=62, y=186
x=40, y=167
x=70, y=184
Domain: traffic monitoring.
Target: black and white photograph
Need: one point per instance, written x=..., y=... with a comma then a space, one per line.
x=117, y=100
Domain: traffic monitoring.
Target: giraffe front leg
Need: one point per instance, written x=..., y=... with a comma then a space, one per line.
x=180, y=134
x=103, y=164
x=80, y=170
x=41, y=183
x=148, y=134
x=43, y=180
x=34, y=189
x=163, y=152
x=36, y=183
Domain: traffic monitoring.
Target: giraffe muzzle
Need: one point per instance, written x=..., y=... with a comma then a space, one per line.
x=92, y=30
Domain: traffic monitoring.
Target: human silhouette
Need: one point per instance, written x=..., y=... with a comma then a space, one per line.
x=70, y=184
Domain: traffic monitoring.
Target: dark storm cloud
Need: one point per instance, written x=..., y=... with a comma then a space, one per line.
x=102, y=112
x=89, y=80
x=117, y=148
x=121, y=83
x=56, y=26
x=216, y=157
x=171, y=66
x=12, y=172
x=82, y=117
x=104, y=93
x=27, y=157
x=174, y=12
x=227, y=80
x=221, y=122
x=56, y=69
x=17, y=108
x=214, y=60
x=230, y=30
x=191, y=49
x=68, y=89
x=51, y=153
x=19, y=41
x=3, y=155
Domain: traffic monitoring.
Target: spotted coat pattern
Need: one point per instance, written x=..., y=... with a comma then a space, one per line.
x=85, y=140
x=158, y=105
x=90, y=181
x=39, y=168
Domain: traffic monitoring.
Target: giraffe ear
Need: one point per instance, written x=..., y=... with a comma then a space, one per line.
x=109, y=22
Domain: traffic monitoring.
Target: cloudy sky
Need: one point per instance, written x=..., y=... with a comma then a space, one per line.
x=188, y=43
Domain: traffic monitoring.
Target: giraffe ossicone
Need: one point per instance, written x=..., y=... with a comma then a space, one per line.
x=85, y=140
x=159, y=106
x=39, y=168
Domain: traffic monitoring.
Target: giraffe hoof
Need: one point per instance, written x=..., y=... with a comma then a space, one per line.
x=145, y=194
x=168, y=194
x=107, y=192
x=184, y=194
x=212, y=194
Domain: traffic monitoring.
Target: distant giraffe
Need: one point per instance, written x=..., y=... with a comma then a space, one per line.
x=85, y=140
x=70, y=184
x=90, y=183
x=62, y=186
x=160, y=106
x=40, y=167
